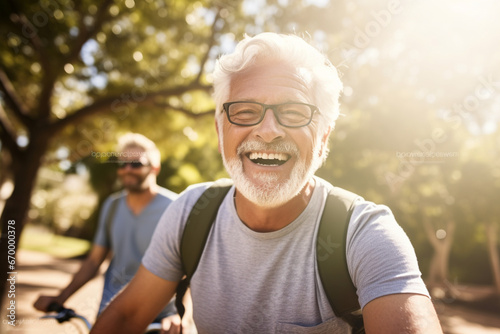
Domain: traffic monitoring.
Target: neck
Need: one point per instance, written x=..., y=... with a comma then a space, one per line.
x=138, y=200
x=261, y=219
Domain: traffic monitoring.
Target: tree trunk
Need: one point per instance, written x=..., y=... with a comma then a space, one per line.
x=492, y=237
x=25, y=169
x=438, y=271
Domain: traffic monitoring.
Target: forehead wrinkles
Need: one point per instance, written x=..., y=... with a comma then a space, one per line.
x=284, y=78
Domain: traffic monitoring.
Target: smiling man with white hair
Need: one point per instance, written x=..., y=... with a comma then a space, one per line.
x=276, y=104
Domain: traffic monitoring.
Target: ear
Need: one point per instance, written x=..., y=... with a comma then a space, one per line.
x=155, y=170
x=324, y=140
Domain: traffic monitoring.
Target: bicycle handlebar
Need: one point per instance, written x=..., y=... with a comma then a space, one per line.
x=65, y=314
x=55, y=307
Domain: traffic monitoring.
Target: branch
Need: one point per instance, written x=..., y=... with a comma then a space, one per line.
x=7, y=133
x=84, y=33
x=29, y=31
x=77, y=5
x=211, y=43
x=187, y=112
x=11, y=98
x=117, y=103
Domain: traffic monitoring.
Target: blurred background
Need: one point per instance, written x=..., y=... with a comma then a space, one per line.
x=418, y=131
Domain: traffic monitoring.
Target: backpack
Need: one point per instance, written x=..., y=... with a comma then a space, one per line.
x=330, y=248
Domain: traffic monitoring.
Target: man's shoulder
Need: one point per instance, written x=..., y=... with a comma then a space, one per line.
x=167, y=194
x=179, y=210
x=188, y=197
x=362, y=206
x=327, y=186
x=193, y=192
x=115, y=197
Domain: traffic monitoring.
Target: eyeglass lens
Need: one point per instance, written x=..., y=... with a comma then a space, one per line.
x=252, y=113
x=132, y=164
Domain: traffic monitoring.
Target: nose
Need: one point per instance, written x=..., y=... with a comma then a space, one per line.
x=269, y=129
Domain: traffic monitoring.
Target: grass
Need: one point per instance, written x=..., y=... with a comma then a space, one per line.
x=41, y=240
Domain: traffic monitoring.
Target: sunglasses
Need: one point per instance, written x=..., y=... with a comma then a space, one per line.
x=132, y=164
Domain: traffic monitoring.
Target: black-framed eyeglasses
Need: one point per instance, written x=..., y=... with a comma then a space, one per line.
x=132, y=164
x=290, y=114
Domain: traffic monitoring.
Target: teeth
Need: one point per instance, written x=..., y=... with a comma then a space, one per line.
x=266, y=156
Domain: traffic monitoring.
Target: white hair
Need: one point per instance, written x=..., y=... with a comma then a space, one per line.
x=130, y=139
x=315, y=68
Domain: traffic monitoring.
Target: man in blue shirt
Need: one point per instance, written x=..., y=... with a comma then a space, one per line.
x=126, y=225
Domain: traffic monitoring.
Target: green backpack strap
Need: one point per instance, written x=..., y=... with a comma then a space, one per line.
x=195, y=235
x=331, y=257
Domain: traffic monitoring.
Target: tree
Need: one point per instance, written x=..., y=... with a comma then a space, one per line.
x=65, y=62
x=411, y=91
x=478, y=191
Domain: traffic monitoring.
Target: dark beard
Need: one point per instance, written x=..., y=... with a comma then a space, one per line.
x=137, y=187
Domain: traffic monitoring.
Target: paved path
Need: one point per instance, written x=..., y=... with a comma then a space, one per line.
x=39, y=273
x=43, y=274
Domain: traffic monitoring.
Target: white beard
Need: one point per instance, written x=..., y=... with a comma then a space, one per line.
x=271, y=192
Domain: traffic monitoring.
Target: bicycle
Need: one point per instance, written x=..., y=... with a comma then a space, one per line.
x=66, y=314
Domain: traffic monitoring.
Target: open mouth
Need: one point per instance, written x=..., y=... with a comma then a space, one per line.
x=268, y=159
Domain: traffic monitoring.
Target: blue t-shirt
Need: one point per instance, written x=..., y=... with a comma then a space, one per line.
x=130, y=237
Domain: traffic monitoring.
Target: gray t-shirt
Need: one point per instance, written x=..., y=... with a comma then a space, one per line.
x=252, y=282
x=130, y=237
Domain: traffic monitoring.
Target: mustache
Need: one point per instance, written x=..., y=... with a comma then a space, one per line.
x=131, y=174
x=279, y=147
